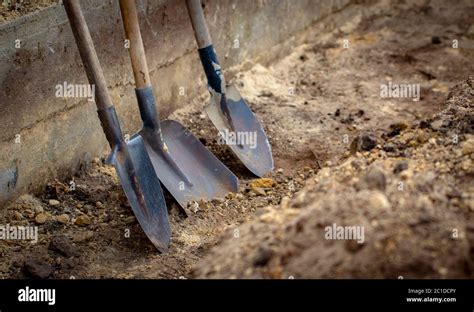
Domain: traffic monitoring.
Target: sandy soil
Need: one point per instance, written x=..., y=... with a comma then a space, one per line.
x=11, y=9
x=400, y=168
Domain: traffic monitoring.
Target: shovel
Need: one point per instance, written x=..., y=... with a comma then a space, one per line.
x=236, y=123
x=183, y=164
x=131, y=161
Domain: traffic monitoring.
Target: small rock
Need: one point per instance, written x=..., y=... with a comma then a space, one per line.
x=89, y=235
x=130, y=220
x=82, y=236
x=364, y=142
x=114, y=196
x=389, y=147
x=375, y=179
x=259, y=191
x=54, y=202
x=468, y=146
x=88, y=208
x=64, y=219
x=41, y=218
x=421, y=137
x=378, y=200
x=194, y=207
x=443, y=271
x=406, y=174
x=262, y=182
x=396, y=129
x=400, y=166
x=37, y=268
x=39, y=209
x=437, y=124
x=99, y=204
x=63, y=246
x=467, y=165
x=96, y=160
x=83, y=220
x=324, y=173
x=263, y=256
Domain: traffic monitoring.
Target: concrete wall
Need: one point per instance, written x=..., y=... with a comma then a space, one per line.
x=44, y=137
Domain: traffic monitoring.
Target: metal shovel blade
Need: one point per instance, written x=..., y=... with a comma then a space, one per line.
x=186, y=167
x=143, y=190
x=241, y=130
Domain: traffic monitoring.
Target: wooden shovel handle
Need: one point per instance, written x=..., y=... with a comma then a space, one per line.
x=137, y=51
x=88, y=53
x=201, y=32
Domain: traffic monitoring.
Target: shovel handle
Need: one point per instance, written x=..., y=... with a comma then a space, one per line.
x=88, y=53
x=106, y=110
x=201, y=32
x=207, y=53
x=137, y=51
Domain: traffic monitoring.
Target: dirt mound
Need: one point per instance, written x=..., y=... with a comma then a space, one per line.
x=416, y=212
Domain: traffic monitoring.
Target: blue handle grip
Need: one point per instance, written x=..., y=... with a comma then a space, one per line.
x=147, y=106
x=212, y=68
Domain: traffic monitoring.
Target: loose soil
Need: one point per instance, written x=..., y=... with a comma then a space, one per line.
x=399, y=168
x=11, y=9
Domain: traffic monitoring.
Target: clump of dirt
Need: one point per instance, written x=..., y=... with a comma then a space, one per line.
x=11, y=9
x=416, y=212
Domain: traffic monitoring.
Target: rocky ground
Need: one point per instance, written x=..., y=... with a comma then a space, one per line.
x=412, y=192
x=398, y=167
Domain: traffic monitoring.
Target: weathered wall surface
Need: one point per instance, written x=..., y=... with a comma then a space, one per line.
x=44, y=137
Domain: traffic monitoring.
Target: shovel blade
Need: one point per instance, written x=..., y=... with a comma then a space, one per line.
x=143, y=191
x=197, y=174
x=245, y=136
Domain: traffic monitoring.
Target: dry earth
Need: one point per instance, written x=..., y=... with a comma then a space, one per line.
x=11, y=9
x=400, y=168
